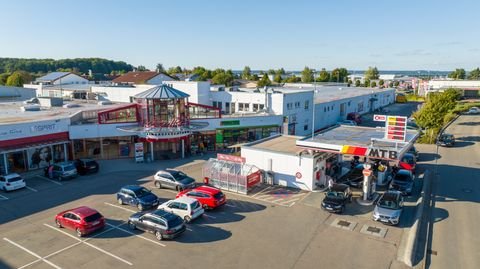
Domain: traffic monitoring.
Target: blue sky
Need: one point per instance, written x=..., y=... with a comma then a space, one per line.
x=392, y=35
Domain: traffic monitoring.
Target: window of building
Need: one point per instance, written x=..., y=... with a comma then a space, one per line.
x=243, y=106
x=360, y=107
x=261, y=106
x=306, y=104
x=297, y=104
x=214, y=103
x=305, y=127
x=255, y=107
x=324, y=109
x=227, y=107
x=289, y=106
x=232, y=107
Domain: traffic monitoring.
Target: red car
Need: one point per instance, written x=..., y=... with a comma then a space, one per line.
x=83, y=220
x=209, y=197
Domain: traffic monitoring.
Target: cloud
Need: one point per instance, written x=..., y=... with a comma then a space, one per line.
x=416, y=52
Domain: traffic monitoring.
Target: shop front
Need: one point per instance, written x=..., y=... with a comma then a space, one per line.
x=226, y=137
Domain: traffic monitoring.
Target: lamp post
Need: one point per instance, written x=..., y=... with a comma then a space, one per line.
x=313, y=103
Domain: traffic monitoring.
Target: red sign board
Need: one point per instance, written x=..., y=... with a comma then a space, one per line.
x=379, y=118
x=367, y=172
x=253, y=179
x=230, y=158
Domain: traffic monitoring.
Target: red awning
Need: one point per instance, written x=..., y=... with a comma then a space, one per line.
x=32, y=141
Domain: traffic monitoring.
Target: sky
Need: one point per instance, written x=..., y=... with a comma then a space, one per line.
x=356, y=34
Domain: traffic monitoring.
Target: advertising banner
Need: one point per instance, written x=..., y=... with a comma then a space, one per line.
x=39, y=157
x=139, y=152
x=253, y=179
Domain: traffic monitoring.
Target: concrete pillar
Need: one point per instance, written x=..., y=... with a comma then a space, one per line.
x=151, y=151
x=65, y=152
x=101, y=147
x=5, y=163
x=73, y=150
x=183, y=149
x=85, y=147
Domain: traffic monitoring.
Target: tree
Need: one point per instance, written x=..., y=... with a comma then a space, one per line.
x=307, y=75
x=277, y=78
x=15, y=79
x=474, y=74
x=246, y=73
x=372, y=73
x=339, y=75
x=357, y=83
x=390, y=84
x=324, y=76
x=222, y=77
x=459, y=73
x=366, y=83
x=381, y=83
x=292, y=79
x=174, y=70
x=396, y=83
x=141, y=68
x=3, y=78
x=254, y=77
x=349, y=82
x=271, y=72
x=280, y=71
x=435, y=108
x=264, y=81
x=373, y=84
x=160, y=68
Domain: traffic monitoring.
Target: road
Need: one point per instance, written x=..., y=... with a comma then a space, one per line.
x=455, y=215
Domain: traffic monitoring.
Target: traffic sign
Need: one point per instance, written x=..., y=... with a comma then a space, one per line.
x=367, y=172
x=379, y=118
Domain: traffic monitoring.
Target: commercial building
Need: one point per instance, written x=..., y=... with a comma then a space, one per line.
x=469, y=88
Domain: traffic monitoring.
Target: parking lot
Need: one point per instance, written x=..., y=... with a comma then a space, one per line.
x=273, y=227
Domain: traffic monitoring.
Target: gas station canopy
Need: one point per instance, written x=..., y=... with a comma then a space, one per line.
x=360, y=141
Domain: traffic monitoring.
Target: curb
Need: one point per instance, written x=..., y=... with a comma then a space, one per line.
x=408, y=246
x=446, y=126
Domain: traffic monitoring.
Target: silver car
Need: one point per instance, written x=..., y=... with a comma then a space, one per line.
x=173, y=179
x=389, y=208
x=61, y=171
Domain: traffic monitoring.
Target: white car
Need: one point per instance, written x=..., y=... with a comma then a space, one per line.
x=12, y=182
x=185, y=207
x=473, y=110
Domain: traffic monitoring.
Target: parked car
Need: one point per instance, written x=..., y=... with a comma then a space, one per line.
x=62, y=171
x=446, y=140
x=354, y=177
x=33, y=100
x=138, y=196
x=83, y=220
x=473, y=110
x=388, y=208
x=408, y=162
x=336, y=198
x=163, y=224
x=173, y=179
x=347, y=122
x=85, y=166
x=208, y=197
x=414, y=152
x=403, y=182
x=355, y=116
x=185, y=207
x=12, y=182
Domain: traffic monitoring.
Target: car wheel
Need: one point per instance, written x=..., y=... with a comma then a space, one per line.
x=158, y=235
x=140, y=207
x=158, y=184
x=131, y=225
x=206, y=207
x=57, y=222
x=187, y=219
x=79, y=233
x=120, y=202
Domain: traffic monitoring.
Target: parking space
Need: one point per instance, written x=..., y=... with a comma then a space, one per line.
x=278, y=195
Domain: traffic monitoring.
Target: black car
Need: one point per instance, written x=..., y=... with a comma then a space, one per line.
x=86, y=166
x=403, y=182
x=163, y=224
x=137, y=196
x=354, y=178
x=446, y=140
x=414, y=152
x=336, y=198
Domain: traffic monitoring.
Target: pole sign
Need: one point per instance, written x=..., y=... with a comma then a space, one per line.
x=382, y=118
x=396, y=128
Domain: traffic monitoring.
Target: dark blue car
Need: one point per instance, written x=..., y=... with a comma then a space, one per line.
x=138, y=196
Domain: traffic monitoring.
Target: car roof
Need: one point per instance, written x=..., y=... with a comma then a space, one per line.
x=390, y=195
x=83, y=211
x=185, y=199
x=63, y=163
x=339, y=187
x=86, y=160
x=162, y=214
x=132, y=187
x=12, y=175
x=409, y=155
x=207, y=189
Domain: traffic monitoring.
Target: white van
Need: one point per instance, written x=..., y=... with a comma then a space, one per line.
x=185, y=207
x=12, y=182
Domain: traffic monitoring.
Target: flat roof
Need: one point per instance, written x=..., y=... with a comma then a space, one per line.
x=10, y=112
x=333, y=93
x=281, y=143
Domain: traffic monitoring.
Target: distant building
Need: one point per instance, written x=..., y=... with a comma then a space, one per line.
x=60, y=84
x=57, y=78
x=470, y=88
x=146, y=77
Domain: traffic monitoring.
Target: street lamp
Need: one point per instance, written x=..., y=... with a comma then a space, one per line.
x=313, y=103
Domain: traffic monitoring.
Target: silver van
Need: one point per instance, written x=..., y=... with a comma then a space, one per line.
x=61, y=171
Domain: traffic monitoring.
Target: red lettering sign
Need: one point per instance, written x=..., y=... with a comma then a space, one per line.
x=230, y=158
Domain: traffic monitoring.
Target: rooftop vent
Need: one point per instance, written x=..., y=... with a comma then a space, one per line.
x=30, y=108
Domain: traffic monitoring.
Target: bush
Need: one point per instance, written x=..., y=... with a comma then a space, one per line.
x=449, y=117
x=429, y=136
x=415, y=98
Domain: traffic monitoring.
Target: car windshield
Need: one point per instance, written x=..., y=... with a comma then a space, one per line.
x=90, y=163
x=142, y=192
x=93, y=217
x=334, y=194
x=178, y=175
x=13, y=179
x=195, y=205
x=174, y=221
x=388, y=204
x=402, y=177
x=218, y=195
x=69, y=167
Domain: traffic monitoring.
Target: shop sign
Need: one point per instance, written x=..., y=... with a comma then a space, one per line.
x=253, y=179
x=379, y=118
x=230, y=158
x=298, y=175
x=43, y=128
x=370, y=152
x=10, y=132
x=230, y=122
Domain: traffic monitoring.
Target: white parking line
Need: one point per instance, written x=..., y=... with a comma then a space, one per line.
x=262, y=191
x=90, y=245
x=145, y=179
x=117, y=206
x=209, y=216
x=3, y=197
x=229, y=205
x=190, y=230
x=127, y=231
x=46, y=178
x=31, y=253
x=30, y=188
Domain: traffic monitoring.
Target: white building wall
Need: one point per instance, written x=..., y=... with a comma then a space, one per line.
x=284, y=166
x=199, y=91
x=237, y=97
x=297, y=113
x=441, y=84
x=159, y=79
x=18, y=93
x=71, y=79
x=97, y=130
x=119, y=94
